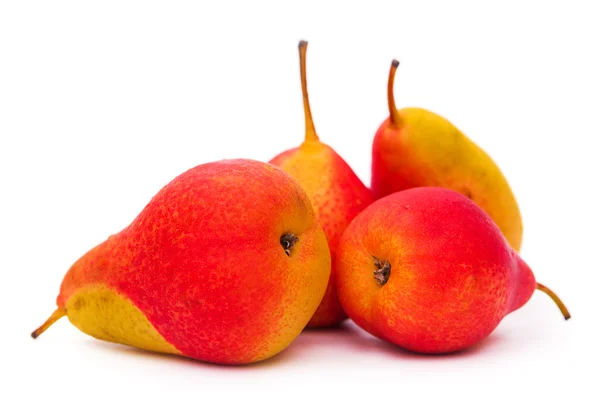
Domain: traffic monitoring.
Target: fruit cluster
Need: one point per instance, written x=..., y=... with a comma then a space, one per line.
x=232, y=259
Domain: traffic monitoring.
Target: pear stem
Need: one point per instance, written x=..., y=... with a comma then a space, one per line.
x=311, y=133
x=56, y=315
x=556, y=299
x=394, y=116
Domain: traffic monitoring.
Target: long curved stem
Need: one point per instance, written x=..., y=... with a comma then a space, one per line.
x=556, y=299
x=56, y=315
x=394, y=116
x=311, y=133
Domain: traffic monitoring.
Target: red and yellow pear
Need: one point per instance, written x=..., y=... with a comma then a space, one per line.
x=226, y=264
x=336, y=192
x=428, y=269
x=416, y=147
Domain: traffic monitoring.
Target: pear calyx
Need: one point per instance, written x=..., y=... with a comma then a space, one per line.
x=287, y=241
x=382, y=271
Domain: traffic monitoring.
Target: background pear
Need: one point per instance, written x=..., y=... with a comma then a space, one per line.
x=416, y=147
x=226, y=264
x=427, y=269
x=335, y=191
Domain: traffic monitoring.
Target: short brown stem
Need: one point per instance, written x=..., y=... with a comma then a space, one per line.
x=556, y=299
x=382, y=270
x=56, y=315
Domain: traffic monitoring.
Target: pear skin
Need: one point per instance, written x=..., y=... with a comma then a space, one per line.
x=415, y=147
x=336, y=192
x=428, y=270
x=226, y=264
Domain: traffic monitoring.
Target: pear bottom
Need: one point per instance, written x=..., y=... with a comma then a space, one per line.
x=101, y=312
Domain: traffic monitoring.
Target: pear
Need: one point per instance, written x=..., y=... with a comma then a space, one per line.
x=416, y=147
x=428, y=270
x=336, y=193
x=226, y=264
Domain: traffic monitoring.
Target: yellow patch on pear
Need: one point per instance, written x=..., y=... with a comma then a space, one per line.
x=446, y=157
x=106, y=315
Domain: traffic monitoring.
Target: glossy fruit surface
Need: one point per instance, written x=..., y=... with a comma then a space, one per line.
x=428, y=270
x=226, y=264
x=416, y=147
x=335, y=191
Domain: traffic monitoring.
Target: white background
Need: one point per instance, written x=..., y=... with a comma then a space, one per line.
x=102, y=104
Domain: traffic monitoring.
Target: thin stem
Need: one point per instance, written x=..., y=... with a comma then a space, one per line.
x=311, y=133
x=56, y=315
x=394, y=116
x=556, y=299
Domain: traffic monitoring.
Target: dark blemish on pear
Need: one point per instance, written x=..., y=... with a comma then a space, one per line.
x=287, y=241
x=79, y=303
x=382, y=270
x=467, y=192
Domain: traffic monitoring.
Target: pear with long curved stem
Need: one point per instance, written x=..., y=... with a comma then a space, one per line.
x=335, y=191
x=416, y=147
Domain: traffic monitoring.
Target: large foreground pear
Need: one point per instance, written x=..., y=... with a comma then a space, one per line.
x=226, y=264
x=335, y=191
x=429, y=270
x=416, y=147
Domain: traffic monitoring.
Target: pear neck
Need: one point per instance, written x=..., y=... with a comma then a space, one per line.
x=312, y=145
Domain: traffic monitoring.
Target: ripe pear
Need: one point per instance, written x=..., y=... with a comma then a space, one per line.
x=429, y=270
x=416, y=147
x=226, y=264
x=335, y=191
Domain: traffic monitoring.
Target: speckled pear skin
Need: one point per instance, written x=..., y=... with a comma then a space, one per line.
x=416, y=147
x=335, y=191
x=337, y=196
x=104, y=314
x=453, y=276
x=204, y=264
